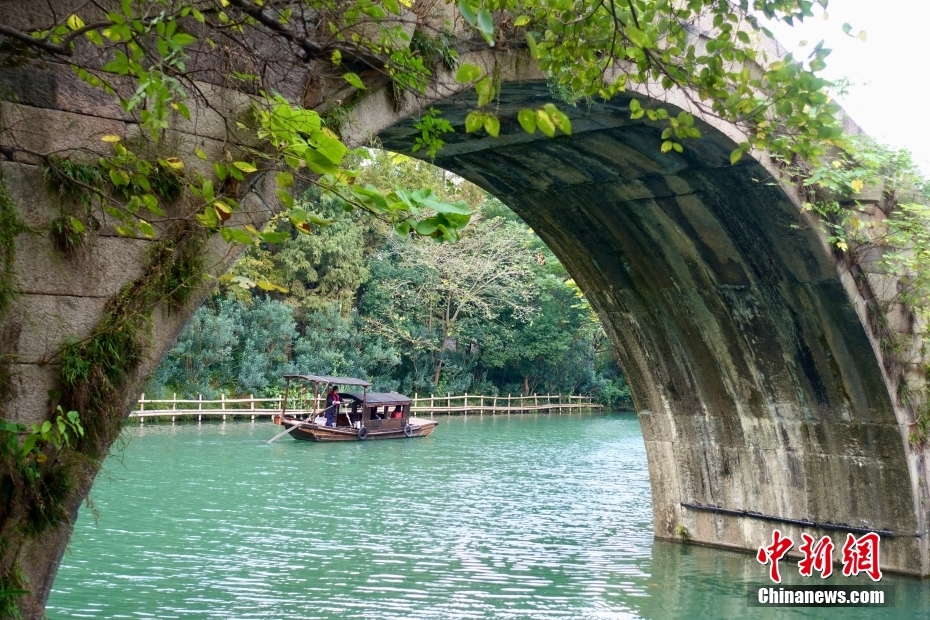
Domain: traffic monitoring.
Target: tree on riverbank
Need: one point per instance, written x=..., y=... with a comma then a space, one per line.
x=493, y=313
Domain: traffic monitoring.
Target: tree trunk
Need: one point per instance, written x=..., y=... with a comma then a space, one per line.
x=438, y=373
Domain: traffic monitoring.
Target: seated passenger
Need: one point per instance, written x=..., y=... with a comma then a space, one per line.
x=397, y=413
x=375, y=415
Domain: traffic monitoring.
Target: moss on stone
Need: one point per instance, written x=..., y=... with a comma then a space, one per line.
x=94, y=370
x=11, y=226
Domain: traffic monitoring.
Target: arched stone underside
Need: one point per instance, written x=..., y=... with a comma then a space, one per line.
x=757, y=385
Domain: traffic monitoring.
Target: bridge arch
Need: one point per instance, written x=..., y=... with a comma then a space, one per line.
x=759, y=384
x=745, y=340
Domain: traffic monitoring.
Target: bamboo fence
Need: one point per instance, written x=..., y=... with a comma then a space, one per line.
x=251, y=407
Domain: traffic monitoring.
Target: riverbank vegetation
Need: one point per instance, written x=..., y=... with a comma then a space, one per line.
x=494, y=313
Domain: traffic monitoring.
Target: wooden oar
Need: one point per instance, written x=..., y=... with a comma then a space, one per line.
x=282, y=434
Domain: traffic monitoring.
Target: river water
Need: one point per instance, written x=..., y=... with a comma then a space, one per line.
x=505, y=517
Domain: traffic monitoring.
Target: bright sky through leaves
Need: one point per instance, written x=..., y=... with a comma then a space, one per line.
x=887, y=71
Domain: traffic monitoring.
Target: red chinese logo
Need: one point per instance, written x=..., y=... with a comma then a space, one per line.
x=817, y=557
x=774, y=552
x=861, y=556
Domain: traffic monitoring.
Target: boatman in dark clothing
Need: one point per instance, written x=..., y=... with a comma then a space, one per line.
x=332, y=406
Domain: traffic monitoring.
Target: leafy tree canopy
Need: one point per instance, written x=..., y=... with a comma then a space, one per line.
x=153, y=55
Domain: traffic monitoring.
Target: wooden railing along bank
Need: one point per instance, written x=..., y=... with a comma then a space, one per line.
x=464, y=404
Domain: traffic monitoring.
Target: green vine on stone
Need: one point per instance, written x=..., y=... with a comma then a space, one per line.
x=94, y=370
x=35, y=478
x=871, y=198
x=67, y=426
x=11, y=226
x=438, y=50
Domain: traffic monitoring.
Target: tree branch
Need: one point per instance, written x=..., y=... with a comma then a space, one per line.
x=59, y=49
x=311, y=50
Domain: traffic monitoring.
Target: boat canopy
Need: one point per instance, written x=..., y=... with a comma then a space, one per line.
x=380, y=399
x=331, y=380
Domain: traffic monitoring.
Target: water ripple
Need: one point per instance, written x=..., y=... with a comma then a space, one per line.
x=509, y=518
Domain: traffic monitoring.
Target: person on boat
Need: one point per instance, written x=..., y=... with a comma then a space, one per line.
x=332, y=405
x=375, y=415
x=397, y=413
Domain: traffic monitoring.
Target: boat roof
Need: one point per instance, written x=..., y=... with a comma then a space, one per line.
x=385, y=398
x=331, y=380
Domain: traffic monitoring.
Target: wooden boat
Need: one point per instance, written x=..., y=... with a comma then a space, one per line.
x=369, y=415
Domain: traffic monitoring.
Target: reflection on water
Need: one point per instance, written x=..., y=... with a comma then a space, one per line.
x=497, y=517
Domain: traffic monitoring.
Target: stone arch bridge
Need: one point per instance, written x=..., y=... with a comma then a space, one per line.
x=762, y=388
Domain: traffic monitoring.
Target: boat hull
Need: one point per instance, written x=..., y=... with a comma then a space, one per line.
x=308, y=431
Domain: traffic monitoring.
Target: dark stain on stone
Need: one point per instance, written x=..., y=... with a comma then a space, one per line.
x=29, y=85
x=806, y=362
x=796, y=477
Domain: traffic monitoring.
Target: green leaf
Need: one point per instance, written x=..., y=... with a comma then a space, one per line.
x=531, y=44
x=245, y=166
x=492, y=125
x=402, y=228
x=523, y=20
x=371, y=198
x=319, y=163
x=284, y=179
x=486, y=26
x=182, y=39
x=237, y=235
x=274, y=237
x=146, y=229
x=474, y=121
x=527, y=120
x=208, y=218
x=329, y=146
x=285, y=197
x=544, y=123
x=736, y=155
x=29, y=443
x=468, y=73
x=638, y=37
x=459, y=207
x=561, y=121
x=485, y=89
x=467, y=12
x=319, y=221
x=354, y=80
x=150, y=202
x=425, y=228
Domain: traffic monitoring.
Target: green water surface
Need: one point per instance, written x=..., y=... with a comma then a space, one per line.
x=506, y=517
